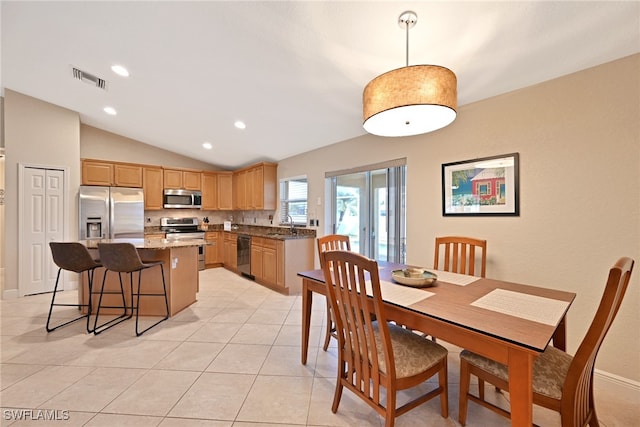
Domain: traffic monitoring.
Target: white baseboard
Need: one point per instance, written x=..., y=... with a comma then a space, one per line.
x=10, y=294
x=614, y=385
x=71, y=285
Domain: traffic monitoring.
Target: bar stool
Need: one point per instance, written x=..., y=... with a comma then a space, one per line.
x=124, y=258
x=75, y=257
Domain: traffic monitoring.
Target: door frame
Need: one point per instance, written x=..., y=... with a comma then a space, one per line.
x=21, y=207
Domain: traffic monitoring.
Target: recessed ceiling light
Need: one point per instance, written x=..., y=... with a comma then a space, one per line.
x=207, y=145
x=110, y=110
x=239, y=124
x=120, y=70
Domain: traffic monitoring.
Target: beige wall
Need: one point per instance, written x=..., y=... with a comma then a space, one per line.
x=579, y=142
x=99, y=144
x=37, y=134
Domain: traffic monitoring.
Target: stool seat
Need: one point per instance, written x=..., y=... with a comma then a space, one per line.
x=74, y=257
x=124, y=258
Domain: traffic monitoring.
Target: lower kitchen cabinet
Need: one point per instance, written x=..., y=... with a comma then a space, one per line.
x=275, y=263
x=230, y=251
x=264, y=260
x=212, y=251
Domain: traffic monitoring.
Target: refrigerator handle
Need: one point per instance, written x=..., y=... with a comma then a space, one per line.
x=112, y=215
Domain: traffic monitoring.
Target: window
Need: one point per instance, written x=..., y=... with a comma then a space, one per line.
x=293, y=200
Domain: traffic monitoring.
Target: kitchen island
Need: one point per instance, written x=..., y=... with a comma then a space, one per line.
x=180, y=272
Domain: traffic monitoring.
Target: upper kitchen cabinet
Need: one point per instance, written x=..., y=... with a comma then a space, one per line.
x=125, y=175
x=182, y=179
x=153, y=186
x=209, y=191
x=255, y=187
x=240, y=189
x=96, y=172
x=225, y=191
x=100, y=172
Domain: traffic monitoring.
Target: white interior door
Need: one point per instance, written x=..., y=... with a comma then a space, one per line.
x=42, y=214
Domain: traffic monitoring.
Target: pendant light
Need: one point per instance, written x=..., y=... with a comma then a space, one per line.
x=410, y=100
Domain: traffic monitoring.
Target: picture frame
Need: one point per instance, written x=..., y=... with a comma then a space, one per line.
x=487, y=186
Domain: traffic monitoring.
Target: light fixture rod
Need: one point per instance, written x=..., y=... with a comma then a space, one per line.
x=407, y=20
x=407, y=52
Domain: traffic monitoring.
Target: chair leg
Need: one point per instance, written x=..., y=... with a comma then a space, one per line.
x=90, y=274
x=444, y=385
x=53, y=303
x=593, y=422
x=330, y=327
x=97, y=329
x=338, y=391
x=465, y=379
x=390, y=416
x=166, y=301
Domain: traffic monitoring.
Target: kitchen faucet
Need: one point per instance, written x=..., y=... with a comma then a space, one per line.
x=290, y=222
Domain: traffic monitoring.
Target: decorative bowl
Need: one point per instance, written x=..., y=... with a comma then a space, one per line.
x=416, y=277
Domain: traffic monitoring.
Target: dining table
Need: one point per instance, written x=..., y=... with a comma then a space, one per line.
x=511, y=323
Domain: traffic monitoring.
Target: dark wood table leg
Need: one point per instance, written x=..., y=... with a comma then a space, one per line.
x=560, y=335
x=307, y=299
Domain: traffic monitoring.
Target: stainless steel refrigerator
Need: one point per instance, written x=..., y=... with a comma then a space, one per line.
x=111, y=213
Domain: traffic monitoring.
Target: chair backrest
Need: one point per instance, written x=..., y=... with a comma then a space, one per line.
x=72, y=256
x=576, y=393
x=333, y=242
x=346, y=275
x=459, y=255
x=120, y=257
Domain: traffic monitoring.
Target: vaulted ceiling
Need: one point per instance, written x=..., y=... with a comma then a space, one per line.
x=293, y=71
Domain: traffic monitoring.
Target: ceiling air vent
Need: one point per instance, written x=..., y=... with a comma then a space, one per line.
x=89, y=78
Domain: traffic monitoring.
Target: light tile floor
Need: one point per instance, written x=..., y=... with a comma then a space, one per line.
x=231, y=359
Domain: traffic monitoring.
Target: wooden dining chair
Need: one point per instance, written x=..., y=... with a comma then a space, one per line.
x=331, y=242
x=376, y=354
x=458, y=255
x=561, y=382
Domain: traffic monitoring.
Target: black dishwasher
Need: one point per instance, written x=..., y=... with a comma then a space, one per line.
x=244, y=255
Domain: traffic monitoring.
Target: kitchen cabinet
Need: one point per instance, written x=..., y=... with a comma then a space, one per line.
x=152, y=184
x=209, y=191
x=96, y=172
x=230, y=251
x=212, y=253
x=255, y=187
x=239, y=189
x=275, y=263
x=127, y=175
x=105, y=173
x=264, y=260
x=182, y=179
x=225, y=191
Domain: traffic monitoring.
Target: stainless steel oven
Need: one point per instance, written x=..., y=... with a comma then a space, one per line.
x=184, y=229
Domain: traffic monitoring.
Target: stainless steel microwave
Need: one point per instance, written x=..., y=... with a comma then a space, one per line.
x=182, y=199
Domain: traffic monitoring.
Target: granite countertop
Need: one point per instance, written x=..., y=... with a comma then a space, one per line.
x=147, y=243
x=279, y=233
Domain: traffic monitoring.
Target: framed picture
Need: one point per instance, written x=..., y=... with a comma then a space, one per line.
x=486, y=186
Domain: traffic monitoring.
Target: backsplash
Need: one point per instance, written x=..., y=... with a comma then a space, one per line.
x=152, y=218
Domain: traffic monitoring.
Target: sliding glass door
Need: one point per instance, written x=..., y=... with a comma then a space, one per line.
x=368, y=206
